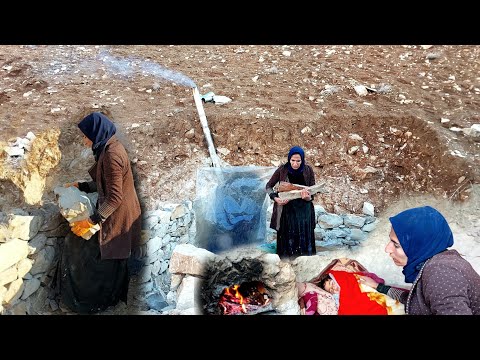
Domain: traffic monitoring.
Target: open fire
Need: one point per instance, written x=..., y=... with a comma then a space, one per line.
x=247, y=298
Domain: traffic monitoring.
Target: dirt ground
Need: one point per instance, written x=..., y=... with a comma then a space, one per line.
x=398, y=146
x=389, y=143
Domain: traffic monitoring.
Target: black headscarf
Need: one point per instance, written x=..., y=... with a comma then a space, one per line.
x=296, y=150
x=99, y=129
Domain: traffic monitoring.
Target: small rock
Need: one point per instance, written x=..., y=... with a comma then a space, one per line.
x=432, y=56
x=360, y=90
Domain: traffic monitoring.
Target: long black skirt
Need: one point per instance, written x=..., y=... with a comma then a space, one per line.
x=86, y=283
x=296, y=235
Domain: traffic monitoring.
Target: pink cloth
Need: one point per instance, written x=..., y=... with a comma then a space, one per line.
x=311, y=303
x=374, y=277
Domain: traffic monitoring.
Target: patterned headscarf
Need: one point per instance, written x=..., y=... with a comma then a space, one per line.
x=296, y=150
x=423, y=232
x=99, y=129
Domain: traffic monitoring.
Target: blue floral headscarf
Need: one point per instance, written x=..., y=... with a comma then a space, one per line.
x=296, y=150
x=99, y=129
x=422, y=232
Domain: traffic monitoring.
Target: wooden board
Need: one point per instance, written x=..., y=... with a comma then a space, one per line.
x=296, y=194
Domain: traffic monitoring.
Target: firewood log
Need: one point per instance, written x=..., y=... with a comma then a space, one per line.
x=286, y=186
x=296, y=194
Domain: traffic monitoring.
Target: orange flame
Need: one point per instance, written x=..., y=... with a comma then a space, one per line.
x=247, y=296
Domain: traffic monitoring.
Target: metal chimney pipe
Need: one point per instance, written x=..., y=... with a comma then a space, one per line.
x=206, y=131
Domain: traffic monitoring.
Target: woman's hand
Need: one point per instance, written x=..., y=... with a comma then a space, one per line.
x=367, y=281
x=281, y=201
x=67, y=185
x=81, y=227
x=305, y=195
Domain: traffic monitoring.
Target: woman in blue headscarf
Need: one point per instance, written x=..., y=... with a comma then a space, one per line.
x=94, y=273
x=294, y=220
x=444, y=283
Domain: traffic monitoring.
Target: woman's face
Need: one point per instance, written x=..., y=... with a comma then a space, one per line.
x=87, y=142
x=394, y=249
x=295, y=161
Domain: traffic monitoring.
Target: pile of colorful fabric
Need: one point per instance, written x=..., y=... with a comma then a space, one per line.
x=354, y=298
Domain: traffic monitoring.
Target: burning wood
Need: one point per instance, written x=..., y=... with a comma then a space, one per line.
x=247, y=298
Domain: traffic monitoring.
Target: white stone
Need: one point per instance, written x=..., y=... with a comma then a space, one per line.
x=23, y=267
x=172, y=296
x=368, y=209
x=290, y=307
x=14, y=291
x=188, y=259
x=306, y=130
x=24, y=227
x=75, y=205
x=3, y=291
x=154, y=245
x=223, y=151
x=163, y=266
x=178, y=212
x=156, y=268
x=473, y=131
x=360, y=90
x=186, y=293
x=8, y=275
x=14, y=151
x=30, y=136
x=164, y=215
x=355, y=137
x=220, y=99
x=12, y=252
x=176, y=280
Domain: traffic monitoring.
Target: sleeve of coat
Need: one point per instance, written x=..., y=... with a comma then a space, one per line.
x=445, y=290
x=113, y=175
x=272, y=182
x=312, y=181
x=87, y=186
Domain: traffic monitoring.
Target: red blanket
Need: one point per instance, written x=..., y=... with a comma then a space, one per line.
x=352, y=300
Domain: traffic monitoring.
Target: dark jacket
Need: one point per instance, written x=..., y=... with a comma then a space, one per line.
x=281, y=174
x=446, y=285
x=118, y=205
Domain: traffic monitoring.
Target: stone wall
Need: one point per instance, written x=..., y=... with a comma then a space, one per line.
x=30, y=242
x=334, y=231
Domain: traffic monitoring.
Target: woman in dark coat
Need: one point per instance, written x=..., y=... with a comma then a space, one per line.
x=294, y=219
x=94, y=273
x=444, y=283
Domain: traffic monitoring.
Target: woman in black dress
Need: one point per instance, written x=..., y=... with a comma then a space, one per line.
x=93, y=274
x=294, y=220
